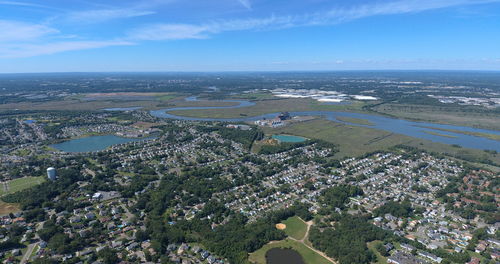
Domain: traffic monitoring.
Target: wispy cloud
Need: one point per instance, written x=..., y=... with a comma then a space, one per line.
x=15, y=3
x=167, y=31
x=20, y=39
x=246, y=3
x=102, y=15
x=30, y=50
x=20, y=31
x=201, y=31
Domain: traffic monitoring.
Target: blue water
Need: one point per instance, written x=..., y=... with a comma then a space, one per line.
x=29, y=121
x=94, y=143
x=288, y=138
x=399, y=126
x=123, y=108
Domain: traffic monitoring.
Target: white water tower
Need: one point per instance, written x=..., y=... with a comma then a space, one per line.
x=51, y=174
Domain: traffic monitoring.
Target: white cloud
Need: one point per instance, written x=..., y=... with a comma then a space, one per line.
x=101, y=15
x=15, y=3
x=20, y=31
x=246, y=3
x=30, y=50
x=169, y=31
x=201, y=31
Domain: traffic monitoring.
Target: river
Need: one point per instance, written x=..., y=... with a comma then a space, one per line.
x=400, y=126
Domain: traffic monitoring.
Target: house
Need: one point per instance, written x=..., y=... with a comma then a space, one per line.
x=132, y=246
x=205, y=254
x=183, y=248
x=196, y=249
x=90, y=216
x=407, y=247
x=403, y=258
x=211, y=259
x=430, y=256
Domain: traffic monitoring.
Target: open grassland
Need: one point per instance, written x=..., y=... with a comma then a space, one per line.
x=476, y=134
x=351, y=140
x=353, y=120
x=76, y=105
x=354, y=141
x=309, y=256
x=271, y=106
x=295, y=227
x=444, y=115
x=156, y=101
x=7, y=208
x=254, y=96
x=20, y=184
x=438, y=134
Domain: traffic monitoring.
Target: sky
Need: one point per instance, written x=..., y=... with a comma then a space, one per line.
x=248, y=35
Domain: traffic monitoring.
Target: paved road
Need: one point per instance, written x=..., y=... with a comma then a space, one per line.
x=309, y=224
x=28, y=253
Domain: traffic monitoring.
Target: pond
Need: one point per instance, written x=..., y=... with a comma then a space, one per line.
x=289, y=138
x=399, y=126
x=283, y=256
x=94, y=143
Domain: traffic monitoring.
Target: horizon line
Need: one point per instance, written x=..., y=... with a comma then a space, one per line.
x=261, y=71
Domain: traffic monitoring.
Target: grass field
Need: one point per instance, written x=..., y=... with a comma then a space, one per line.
x=7, y=208
x=295, y=227
x=271, y=106
x=353, y=120
x=380, y=259
x=354, y=141
x=20, y=184
x=309, y=256
x=438, y=134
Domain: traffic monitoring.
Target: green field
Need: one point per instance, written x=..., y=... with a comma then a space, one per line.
x=438, y=134
x=20, y=184
x=380, y=259
x=354, y=141
x=353, y=120
x=271, y=106
x=351, y=140
x=295, y=227
x=309, y=256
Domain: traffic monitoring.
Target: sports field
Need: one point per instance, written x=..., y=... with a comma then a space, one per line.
x=295, y=227
x=20, y=184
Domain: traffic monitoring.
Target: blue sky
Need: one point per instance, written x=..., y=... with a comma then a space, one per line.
x=248, y=35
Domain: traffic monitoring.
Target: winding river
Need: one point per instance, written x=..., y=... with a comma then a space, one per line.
x=430, y=131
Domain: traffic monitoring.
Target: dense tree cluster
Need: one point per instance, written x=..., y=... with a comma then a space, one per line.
x=337, y=196
x=402, y=209
x=346, y=241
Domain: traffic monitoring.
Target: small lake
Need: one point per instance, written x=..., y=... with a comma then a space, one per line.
x=94, y=143
x=283, y=256
x=289, y=138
